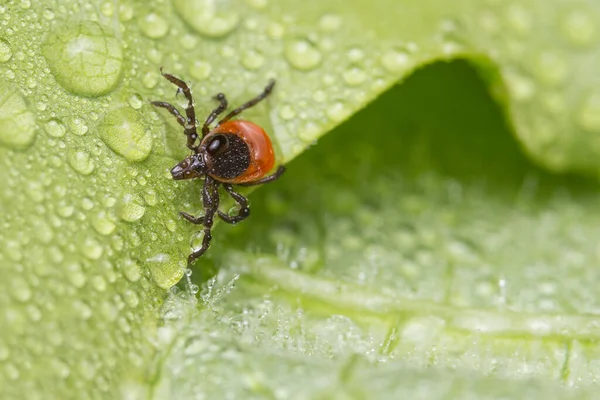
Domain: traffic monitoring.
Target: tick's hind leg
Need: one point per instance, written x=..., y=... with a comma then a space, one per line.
x=210, y=198
x=244, y=210
x=267, y=91
x=190, y=123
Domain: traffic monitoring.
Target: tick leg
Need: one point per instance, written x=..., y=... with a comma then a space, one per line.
x=170, y=108
x=220, y=97
x=244, y=210
x=192, y=219
x=210, y=198
x=267, y=91
x=267, y=179
x=190, y=123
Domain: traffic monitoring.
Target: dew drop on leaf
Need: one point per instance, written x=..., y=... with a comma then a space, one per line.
x=302, y=54
x=130, y=209
x=86, y=59
x=81, y=161
x=17, y=122
x=578, y=26
x=395, y=60
x=123, y=131
x=252, y=59
x=154, y=26
x=5, y=51
x=200, y=70
x=209, y=18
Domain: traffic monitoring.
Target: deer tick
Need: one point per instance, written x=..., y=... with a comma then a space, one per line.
x=233, y=152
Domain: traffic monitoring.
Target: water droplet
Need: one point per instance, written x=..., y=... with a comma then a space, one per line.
x=579, y=27
x=107, y=8
x=520, y=87
x=252, y=59
x=258, y=4
x=519, y=19
x=78, y=126
x=86, y=59
x=12, y=249
x=130, y=210
x=131, y=269
x=98, y=283
x=330, y=22
x=123, y=131
x=48, y=14
x=19, y=289
x=337, y=111
x=55, y=128
x=396, y=60
x=166, y=271
x=302, y=54
x=102, y=224
x=154, y=26
x=589, y=113
x=25, y=4
x=5, y=51
x=17, y=123
x=200, y=70
x=310, y=132
x=130, y=298
x=125, y=12
x=81, y=162
x=551, y=68
x=76, y=275
x=92, y=249
x=208, y=17
x=354, y=76
x=150, y=79
x=276, y=30
x=287, y=112
x=135, y=101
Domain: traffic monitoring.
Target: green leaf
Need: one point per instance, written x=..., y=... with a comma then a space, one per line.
x=416, y=234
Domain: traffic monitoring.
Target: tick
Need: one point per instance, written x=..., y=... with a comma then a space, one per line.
x=233, y=152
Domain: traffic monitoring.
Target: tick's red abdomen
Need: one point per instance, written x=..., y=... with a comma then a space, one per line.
x=262, y=157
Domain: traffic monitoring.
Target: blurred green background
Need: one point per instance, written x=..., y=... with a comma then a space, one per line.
x=435, y=235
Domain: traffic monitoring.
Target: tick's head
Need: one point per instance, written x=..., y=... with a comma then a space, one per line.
x=191, y=167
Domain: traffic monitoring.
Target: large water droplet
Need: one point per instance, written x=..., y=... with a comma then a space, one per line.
x=208, y=17
x=5, y=51
x=17, y=123
x=123, y=131
x=86, y=59
x=302, y=54
x=154, y=26
x=166, y=271
x=81, y=162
